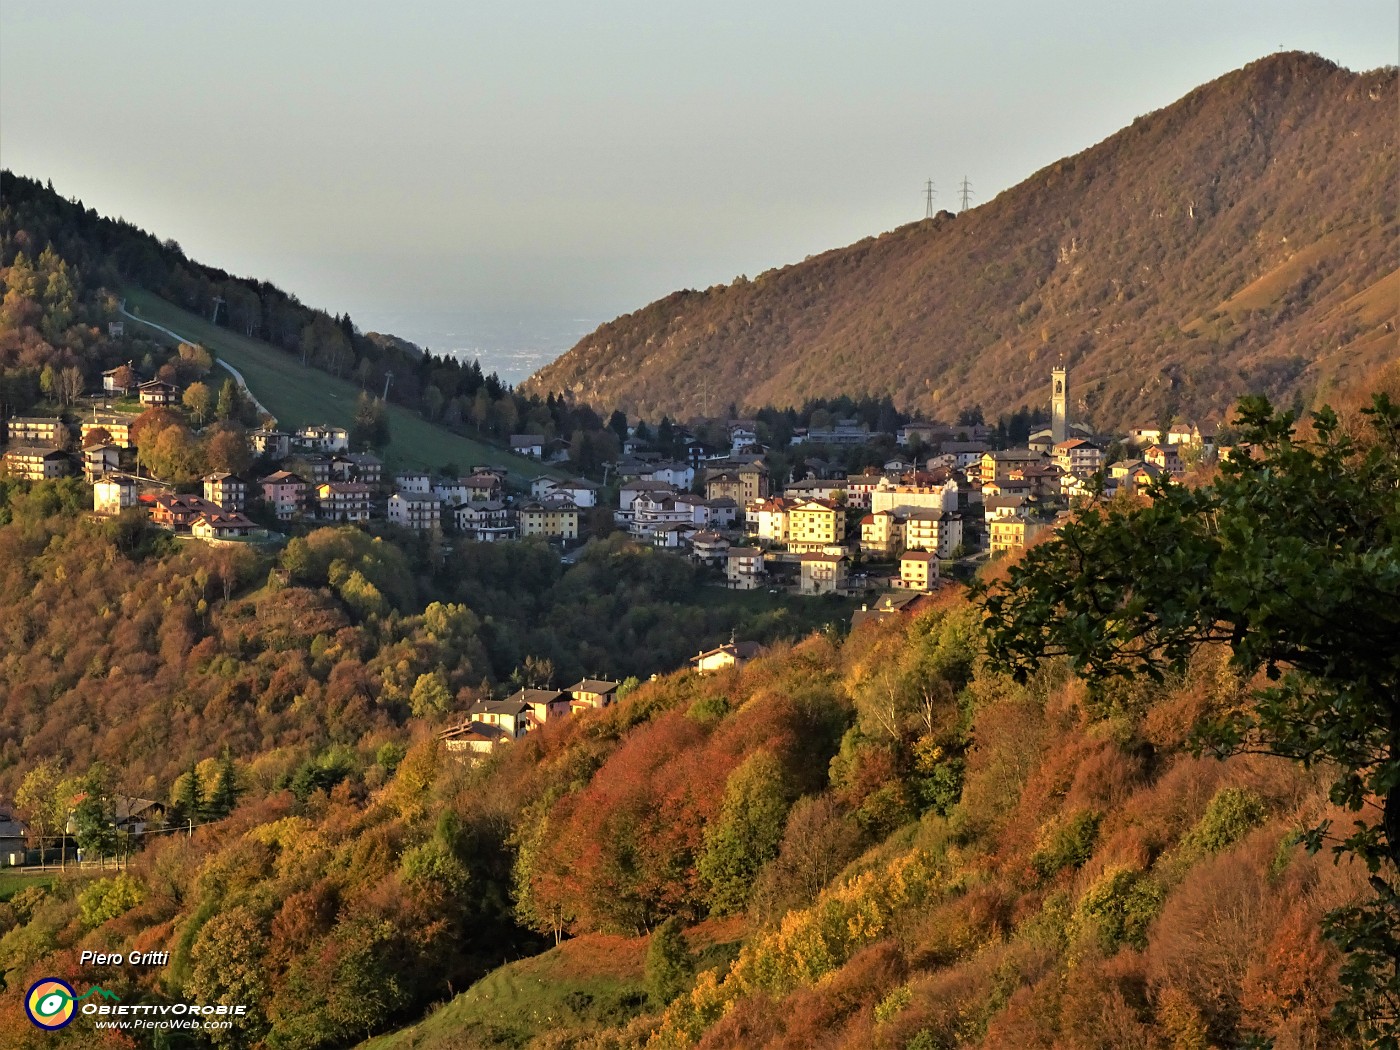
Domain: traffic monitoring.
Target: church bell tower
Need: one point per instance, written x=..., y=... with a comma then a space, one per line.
x=1059, y=404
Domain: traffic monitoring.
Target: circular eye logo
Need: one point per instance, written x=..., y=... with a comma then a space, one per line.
x=49, y=1003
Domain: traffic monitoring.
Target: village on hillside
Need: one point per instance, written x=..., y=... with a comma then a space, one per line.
x=947, y=495
x=887, y=536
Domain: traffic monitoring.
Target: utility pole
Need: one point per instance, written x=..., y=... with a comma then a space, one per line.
x=966, y=195
x=388, y=378
x=929, y=194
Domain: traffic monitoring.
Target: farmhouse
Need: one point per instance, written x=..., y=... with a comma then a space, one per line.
x=159, y=392
x=731, y=654
x=221, y=525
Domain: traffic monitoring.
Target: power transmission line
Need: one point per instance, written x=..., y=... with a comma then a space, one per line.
x=929, y=194
x=966, y=194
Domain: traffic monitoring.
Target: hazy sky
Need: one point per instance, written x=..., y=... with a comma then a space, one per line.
x=587, y=158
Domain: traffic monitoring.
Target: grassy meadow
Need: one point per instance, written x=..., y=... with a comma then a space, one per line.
x=298, y=395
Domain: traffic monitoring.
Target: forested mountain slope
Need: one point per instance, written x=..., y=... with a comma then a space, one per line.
x=1240, y=240
x=877, y=840
x=1006, y=865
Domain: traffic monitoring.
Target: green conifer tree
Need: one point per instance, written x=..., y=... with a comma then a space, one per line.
x=230, y=401
x=225, y=794
x=189, y=797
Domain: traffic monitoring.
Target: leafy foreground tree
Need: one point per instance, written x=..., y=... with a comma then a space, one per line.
x=669, y=967
x=1291, y=557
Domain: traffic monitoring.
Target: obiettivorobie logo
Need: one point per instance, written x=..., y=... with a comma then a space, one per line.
x=52, y=1004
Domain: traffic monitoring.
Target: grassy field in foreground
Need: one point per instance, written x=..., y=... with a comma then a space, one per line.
x=11, y=882
x=298, y=395
x=563, y=988
x=588, y=982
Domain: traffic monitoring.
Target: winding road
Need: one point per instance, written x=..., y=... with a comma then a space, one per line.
x=237, y=375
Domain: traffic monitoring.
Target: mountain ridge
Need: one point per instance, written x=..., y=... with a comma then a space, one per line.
x=1221, y=188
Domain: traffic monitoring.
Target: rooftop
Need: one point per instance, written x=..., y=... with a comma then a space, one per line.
x=738, y=650
x=593, y=685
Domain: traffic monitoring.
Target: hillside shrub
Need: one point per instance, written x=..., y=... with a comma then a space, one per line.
x=1068, y=845
x=891, y=1004
x=108, y=898
x=809, y=944
x=1117, y=909
x=669, y=967
x=1231, y=814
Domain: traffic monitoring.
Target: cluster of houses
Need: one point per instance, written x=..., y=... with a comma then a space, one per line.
x=32, y=441
x=959, y=494
x=220, y=513
x=489, y=723
x=808, y=533
x=43, y=447
x=317, y=479
x=946, y=493
x=19, y=847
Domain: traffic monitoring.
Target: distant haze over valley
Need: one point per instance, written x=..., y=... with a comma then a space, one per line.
x=512, y=343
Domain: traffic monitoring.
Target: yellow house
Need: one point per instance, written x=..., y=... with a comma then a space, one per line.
x=767, y=519
x=918, y=571
x=118, y=429
x=35, y=463
x=551, y=520
x=593, y=693
x=815, y=525
x=1165, y=458
x=35, y=430
x=1009, y=534
x=998, y=466
x=1078, y=457
x=822, y=574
